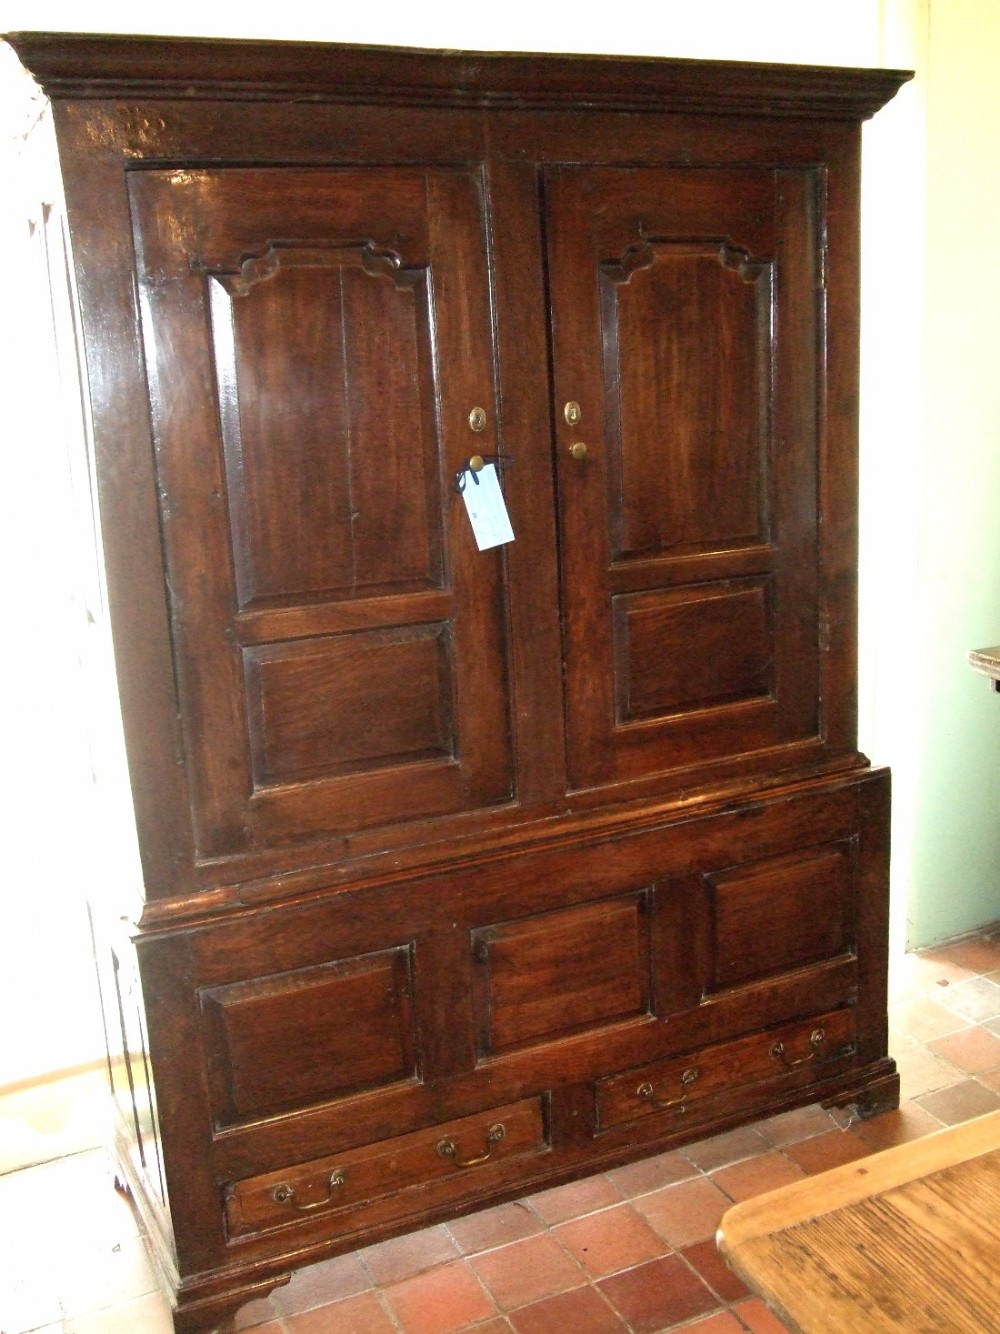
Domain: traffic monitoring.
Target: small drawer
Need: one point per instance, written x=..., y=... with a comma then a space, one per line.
x=358, y=1176
x=676, y=1086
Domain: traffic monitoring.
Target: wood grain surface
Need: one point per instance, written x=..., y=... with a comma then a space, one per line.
x=906, y=1240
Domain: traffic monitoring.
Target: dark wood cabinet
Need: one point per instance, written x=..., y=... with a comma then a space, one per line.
x=467, y=872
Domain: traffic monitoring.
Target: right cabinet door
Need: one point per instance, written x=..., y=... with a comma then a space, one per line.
x=687, y=323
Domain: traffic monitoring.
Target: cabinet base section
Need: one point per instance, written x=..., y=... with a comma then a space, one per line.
x=298, y=1083
x=207, y=1303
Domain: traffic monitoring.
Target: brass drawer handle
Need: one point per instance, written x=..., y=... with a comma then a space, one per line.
x=780, y=1053
x=447, y=1148
x=645, y=1090
x=285, y=1194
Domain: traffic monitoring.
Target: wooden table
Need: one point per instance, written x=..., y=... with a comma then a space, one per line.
x=907, y=1240
x=987, y=661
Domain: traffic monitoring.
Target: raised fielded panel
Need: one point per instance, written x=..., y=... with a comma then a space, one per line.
x=809, y=895
x=560, y=973
x=315, y=341
x=291, y=1040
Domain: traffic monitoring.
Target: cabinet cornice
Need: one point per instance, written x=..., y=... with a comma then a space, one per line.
x=85, y=66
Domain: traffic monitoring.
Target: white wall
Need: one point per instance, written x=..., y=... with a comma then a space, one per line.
x=905, y=672
x=819, y=31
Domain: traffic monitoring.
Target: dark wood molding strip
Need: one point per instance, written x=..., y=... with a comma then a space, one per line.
x=91, y=66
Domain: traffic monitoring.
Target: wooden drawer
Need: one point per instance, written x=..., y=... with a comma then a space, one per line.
x=676, y=1087
x=469, y=1145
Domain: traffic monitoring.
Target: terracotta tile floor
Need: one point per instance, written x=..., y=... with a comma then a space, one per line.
x=627, y=1250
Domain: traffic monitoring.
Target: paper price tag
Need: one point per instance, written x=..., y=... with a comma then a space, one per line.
x=486, y=508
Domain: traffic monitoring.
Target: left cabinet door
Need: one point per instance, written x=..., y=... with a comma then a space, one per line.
x=316, y=340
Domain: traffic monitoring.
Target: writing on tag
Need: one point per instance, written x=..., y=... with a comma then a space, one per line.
x=486, y=508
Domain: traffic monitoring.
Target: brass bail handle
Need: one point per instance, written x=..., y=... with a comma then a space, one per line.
x=646, y=1090
x=447, y=1148
x=779, y=1051
x=285, y=1194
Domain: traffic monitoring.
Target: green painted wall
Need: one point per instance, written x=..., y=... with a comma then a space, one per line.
x=955, y=874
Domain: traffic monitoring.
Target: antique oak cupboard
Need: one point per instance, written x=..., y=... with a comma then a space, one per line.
x=469, y=871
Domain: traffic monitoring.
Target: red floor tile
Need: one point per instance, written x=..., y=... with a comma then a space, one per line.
x=920, y=1072
x=730, y=1147
x=922, y=1020
x=761, y=1319
x=583, y=1310
x=330, y=1281
x=973, y=1051
x=352, y=1315
x=825, y=1151
x=650, y=1174
x=402, y=1257
x=685, y=1213
x=526, y=1271
x=720, y=1323
x=791, y=1127
x=255, y=1315
x=899, y=1126
x=660, y=1293
x=575, y=1199
x=743, y=1180
x=494, y=1227
x=961, y=1102
x=613, y=1239
x=710, y=1266
x=980, y=953
x=440, y=1301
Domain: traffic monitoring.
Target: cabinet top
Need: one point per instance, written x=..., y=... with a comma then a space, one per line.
x=69, y=65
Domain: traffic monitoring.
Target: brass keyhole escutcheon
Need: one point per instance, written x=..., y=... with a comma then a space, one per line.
x=477, y=419
x=572, y=412
x=578, y=451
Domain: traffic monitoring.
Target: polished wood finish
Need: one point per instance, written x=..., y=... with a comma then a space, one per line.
x=434, y=840
x=701, y=530
x=903, y=1242
x=338, y=373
